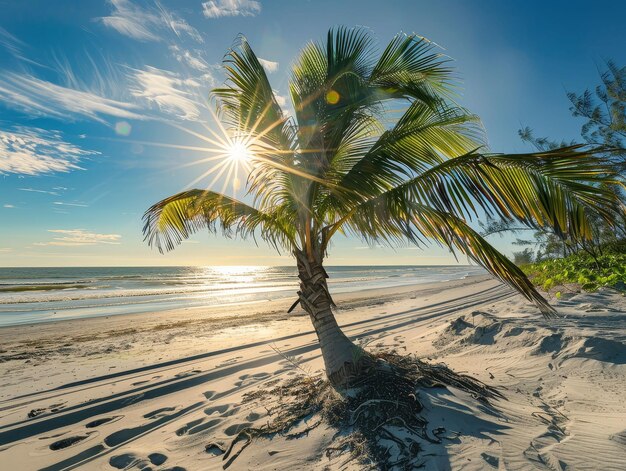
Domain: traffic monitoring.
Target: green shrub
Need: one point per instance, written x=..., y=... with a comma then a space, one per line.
x=580, y=269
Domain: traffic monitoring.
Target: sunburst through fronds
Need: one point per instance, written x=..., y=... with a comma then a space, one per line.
x=346, y=161
x=228, y=155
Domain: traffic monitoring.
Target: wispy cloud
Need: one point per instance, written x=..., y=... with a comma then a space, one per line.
x=79, y=205
x=39, y=97
x=5, y=249
x=10, y=42
x=32, y=151
x=220, y=8
x=269, y=66
x=280, y=99
x=165, y=89
x=34, y=190
x=14, y=46
x=130, y=20
x=192, y=59
x=178, y=25
x=8, y=206
x=147, y=24
x=79, y=237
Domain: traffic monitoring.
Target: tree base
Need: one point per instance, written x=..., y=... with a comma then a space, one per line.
x=377, y=417
x=352, y=373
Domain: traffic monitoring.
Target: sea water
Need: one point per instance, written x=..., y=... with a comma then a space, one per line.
x=30, y=295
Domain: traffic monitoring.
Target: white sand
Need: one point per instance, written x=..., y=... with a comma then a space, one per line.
x=150, y=391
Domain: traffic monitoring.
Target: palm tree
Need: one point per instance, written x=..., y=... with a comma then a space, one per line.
x=377, y=149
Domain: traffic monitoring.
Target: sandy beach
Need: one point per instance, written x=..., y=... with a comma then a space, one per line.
x=160, y=390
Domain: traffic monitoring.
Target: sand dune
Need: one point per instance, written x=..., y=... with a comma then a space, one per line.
x=166, y=391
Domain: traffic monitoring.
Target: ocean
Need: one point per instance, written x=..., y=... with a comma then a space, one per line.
x=31, y=295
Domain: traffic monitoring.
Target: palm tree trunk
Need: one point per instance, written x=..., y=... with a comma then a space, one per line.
x=343, y=359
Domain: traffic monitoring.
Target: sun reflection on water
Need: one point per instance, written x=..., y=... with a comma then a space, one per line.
x=236, y=274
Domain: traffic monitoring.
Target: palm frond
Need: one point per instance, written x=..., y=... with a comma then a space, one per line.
x=422, y=138
x=248, y=100
x=392, y=221
x=410, y=68
x=170, y=221
x=561, y=189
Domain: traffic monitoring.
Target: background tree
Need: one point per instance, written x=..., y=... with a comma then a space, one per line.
x=523, y=257
x=604, y=112
x=349, y=162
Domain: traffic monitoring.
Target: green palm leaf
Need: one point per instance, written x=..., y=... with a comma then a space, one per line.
x=176, y=218
x=392, y=221
x=559, y=189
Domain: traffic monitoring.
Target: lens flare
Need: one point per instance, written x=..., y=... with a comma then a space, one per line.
x=332, y=97
x=228, y=155
x=123, y=128
x=239, y=152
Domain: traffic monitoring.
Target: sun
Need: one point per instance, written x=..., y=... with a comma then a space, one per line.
x=230, y=155
x=239, y=152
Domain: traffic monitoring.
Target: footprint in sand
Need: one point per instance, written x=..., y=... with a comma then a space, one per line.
x=252, y=416
x=491, y=460
x=236, y=428
x=131, y=460
x=157, y=459
x=196, y=426
x=205, y=426
x=551, y=344
x=606, y=350
x=67, y=442
x=123, y=461
x=219, y=409
x=209, y=394
x=184, y=429
x=102, y=421
x=215, y=449
x=619, y=437
x=155, y=414
x=245, y=380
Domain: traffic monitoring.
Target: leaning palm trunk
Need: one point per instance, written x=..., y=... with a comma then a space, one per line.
x=343, y=360
x=336, y=166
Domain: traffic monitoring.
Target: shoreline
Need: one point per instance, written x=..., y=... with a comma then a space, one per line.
x=163, y=290
x=234, y=309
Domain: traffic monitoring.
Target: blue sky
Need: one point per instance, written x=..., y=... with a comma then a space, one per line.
x=87, y=88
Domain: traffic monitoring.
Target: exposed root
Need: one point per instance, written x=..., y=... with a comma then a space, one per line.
x=378, y=419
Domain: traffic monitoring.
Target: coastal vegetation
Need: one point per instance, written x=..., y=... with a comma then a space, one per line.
x=581, y=271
